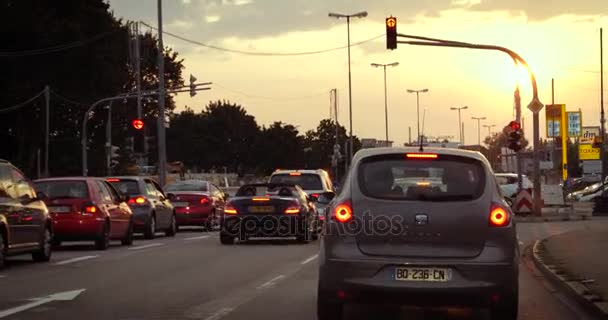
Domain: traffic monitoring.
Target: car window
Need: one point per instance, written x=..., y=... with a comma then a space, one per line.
x=447, y=178
x=23, y=188
x=127, y=187
x=113, y=193
x=7, y=188
x=65, y=189
x=187, y=186
x=307, y=181
x=151, y=189
x=103, y=190
x=158, y=189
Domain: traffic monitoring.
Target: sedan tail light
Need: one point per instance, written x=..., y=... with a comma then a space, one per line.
x=499, y=216
x=138, y=201
x=293, y=208
x=229, y=209
x=205, y=201
x=343, y=212
x=89, y=209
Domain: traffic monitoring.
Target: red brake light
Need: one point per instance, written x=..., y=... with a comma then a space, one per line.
x=499, y=216
x=292, y=210
x=205, y=201
x=315, y=195
x=229, y=209
x=113, y=180
x=295, y=173
x=137, y=200
x=261, y=199
x=422, y=155
x=343, y=212
x=89, y=209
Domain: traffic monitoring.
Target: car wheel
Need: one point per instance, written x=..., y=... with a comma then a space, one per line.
x=172, y=230
x=505, y=310
x=128, y=239
x=43, y=254
x=329, y=311
x=2, y=251
x=150, y=228
x=103, y=241
x=226, y=239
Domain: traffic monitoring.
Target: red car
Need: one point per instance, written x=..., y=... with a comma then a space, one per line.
x=196, y=202
x=86, y=208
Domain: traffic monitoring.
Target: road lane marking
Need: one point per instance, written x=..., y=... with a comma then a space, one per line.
x=310, y=259
x=75, y=260
x=197, y=238
x=60, y=296
x=151, y=245
x=220, y=314
x=271, y=282
x=2, y=276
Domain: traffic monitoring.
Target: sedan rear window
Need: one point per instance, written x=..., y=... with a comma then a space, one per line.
x=446, y=178
x=63, y=189
x=304, y=180
x=127, y=187
x=187, y=186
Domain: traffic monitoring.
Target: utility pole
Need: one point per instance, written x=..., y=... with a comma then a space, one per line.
x=460, y=125
x=109, y=141
x=47, y=124
x=409, y=139
x=162, y=155
x=478, y=129
x=603, y=119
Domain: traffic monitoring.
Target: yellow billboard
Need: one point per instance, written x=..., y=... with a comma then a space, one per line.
x=588, y=152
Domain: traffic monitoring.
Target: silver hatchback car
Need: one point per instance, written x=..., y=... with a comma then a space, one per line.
x=422, y=228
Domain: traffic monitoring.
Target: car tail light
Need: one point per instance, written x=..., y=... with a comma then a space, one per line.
x=205, y=201
x=343, y=212
x=315, y=195
x=113, y=180
x=261, y=199
x=499, y=216
x=229, y=209
x=421, y=155
x=89, y=209
x=137, y=200
x=295, y=173
x=293, y=208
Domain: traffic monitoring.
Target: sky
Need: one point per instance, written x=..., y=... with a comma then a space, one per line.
x=560, y=40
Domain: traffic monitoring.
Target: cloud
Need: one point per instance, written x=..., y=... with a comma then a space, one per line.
x=542, y=10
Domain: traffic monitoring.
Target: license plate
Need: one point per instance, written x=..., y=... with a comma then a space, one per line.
x=261, y=209
x=59, y=209
x=423, y=274
x=180, y=204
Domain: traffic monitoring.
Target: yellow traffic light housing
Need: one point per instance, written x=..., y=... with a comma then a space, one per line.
x=391, y=33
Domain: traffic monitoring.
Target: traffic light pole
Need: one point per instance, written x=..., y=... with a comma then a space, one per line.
x=535, y=105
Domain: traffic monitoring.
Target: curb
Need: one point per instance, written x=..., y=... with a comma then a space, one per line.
x=573, y=288
x=536, y=219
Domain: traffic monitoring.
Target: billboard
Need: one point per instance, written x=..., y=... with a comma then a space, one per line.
x=554, y=113
x=588, y=134
x=588, y=152
x=574, y=123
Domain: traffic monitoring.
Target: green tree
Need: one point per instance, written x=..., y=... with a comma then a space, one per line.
x=280, y=146
x=320, y=144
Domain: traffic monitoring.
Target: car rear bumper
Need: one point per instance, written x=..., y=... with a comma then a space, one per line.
x=141, y=217
x=373, y=282
x=268, y=226
x=77, y=229
x=193, y=216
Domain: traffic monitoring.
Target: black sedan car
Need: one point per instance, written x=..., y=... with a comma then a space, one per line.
x=268, y=211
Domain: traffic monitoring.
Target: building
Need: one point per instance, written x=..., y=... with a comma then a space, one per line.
x=374, y=143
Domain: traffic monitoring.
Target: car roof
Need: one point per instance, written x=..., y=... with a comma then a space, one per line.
x=309, y=171
x=369, y=152
x=190, y=181
x=129, y=177
x=4, y=161
x=74, y=178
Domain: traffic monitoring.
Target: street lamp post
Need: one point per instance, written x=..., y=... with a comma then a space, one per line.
x=489, y=127
x=377, y=65
x=478, y=128
x=417, y=92
x=459, y=121
x=361, y=14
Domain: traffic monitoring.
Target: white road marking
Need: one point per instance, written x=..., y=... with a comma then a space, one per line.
x=310, y=259
x=196, y=238
x=2, y=276
x=75, y=260
x=271, y=282
x=61, y=296
x=219, y=314
x=151, y=245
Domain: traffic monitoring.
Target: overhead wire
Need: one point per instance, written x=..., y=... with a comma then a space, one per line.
x=272, y=98
x=22, y=104
x=56, y=48
x=259, y=53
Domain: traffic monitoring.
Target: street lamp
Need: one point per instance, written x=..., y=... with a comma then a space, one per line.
x=361, y=14
x=459, y=121
x=478, y=128
x=378, y=65
x=417, y=92
x=489, y=127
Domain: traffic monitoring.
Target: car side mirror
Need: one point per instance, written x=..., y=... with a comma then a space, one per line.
x=326, y=197
x=41, y=195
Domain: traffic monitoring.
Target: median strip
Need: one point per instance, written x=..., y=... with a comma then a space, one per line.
x=75, y=260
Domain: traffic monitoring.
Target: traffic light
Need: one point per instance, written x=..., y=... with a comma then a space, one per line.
x=138, y=124
x=192, y=86
x=391, y=33
x=514, y=136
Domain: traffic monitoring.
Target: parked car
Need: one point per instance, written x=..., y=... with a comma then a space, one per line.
x=152, y=210
x=508, y=184
x=25, y=223
x=86, y=209
x=196, y=202
x=448, y=245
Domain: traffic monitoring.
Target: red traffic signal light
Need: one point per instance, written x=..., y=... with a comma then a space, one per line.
x=138, y=124
x=391, y=33
x=514, y=125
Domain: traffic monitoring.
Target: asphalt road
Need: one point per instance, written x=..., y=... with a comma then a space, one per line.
x=192, y=276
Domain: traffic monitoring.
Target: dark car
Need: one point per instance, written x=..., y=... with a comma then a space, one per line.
x=444, y=238
x=268, y=211
x=86, y=208
x=152, y=210
x=25, y=224
x=196, y=202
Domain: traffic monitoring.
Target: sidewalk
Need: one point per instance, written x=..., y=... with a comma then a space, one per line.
x=579, y=261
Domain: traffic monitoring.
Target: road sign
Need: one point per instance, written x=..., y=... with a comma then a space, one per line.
x=535, y=106
x=588, y=152
x=523, y=202
x=553, y=118
x=574, y=121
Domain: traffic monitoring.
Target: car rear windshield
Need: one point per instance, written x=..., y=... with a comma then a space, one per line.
x=187, y=186
x=446, y=178
x=127, y=187
x=306, y=181
x=63, y=189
